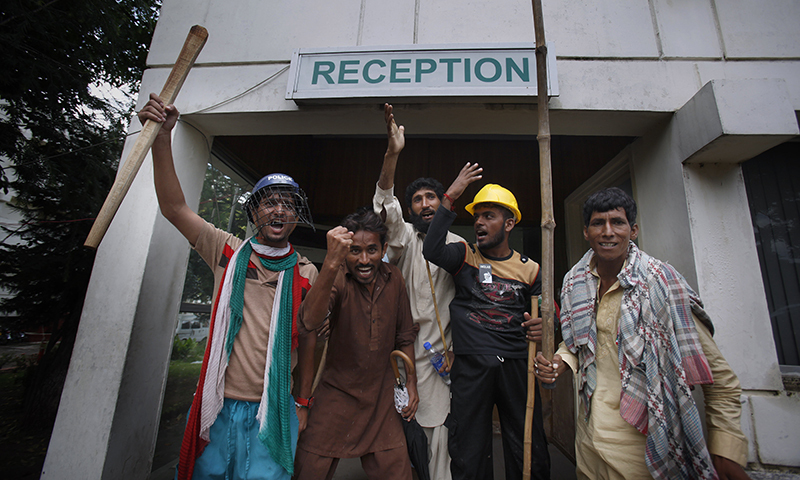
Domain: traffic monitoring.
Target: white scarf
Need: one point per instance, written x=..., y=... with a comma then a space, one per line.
x=213, y=393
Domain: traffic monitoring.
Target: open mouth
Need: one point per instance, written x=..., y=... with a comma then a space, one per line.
x=276, y=225
x=364, y=271
x=480, y=234
x=427, y=214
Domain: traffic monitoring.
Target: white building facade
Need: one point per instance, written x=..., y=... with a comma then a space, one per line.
x=700, y=87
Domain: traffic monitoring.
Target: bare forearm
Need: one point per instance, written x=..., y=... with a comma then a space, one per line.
x=305, y=363
x=170, y=196
x=168, y=187
x=315, y=306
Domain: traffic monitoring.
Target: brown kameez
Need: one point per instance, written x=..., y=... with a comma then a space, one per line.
x=353, y=412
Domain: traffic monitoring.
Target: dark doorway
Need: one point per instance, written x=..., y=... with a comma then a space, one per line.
x=339, y=172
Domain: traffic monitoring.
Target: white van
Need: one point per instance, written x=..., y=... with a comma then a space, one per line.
x=189, y=326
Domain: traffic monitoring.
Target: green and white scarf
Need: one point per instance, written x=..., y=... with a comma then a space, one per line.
x=275, y=407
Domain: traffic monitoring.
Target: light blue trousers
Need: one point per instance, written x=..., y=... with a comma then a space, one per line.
x=235, y=453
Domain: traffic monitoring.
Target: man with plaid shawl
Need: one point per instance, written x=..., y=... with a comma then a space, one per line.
x=637, y=338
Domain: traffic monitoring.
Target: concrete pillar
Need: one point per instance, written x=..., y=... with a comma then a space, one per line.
x=695, y=214
x=729, y=274
x=110, y=406
x=657, y=178
x=726, y=123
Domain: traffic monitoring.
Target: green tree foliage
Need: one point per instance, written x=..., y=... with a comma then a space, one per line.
x=61, y=144
x=52, y=51
x=221, y=195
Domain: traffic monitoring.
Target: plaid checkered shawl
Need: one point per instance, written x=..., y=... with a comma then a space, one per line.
x=660, y=357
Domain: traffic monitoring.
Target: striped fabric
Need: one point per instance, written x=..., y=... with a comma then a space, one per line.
x=660, y=357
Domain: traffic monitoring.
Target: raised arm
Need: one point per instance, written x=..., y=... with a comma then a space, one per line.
x=434, y=249
x=397, y=141
x=168, y=188
x=471, y=172
x=449, y=256
x=314, y=308
x=384, y=202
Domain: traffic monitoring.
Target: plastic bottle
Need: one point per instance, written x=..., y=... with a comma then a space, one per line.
x=437, y=360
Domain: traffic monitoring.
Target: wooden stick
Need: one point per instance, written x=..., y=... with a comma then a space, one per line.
x=436, y=309
x=545, y=177
x=191, y=49
x=527, y=445
x=548, y=222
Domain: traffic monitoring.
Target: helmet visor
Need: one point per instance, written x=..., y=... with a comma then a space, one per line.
x=278, y=205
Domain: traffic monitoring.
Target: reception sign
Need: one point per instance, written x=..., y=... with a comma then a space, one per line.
x=424, y=72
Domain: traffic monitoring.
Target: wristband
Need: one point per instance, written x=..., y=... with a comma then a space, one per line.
x=304, y=402
x=452, y=203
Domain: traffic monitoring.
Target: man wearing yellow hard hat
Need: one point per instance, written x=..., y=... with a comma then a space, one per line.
x=491, y=327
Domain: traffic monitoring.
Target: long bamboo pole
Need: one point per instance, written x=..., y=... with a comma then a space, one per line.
x=548, y=222
x=546, y=179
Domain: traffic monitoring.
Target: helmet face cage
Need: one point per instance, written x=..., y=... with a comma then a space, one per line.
x=261, y=206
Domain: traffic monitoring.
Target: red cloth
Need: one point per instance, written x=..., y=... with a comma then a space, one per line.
x=192, y=445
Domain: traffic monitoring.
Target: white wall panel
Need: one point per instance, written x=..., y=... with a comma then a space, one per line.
x=473, y=21
x=388, y=23
x=687, y=28
x=254, y=31
x=587, y=28
x=760, y=29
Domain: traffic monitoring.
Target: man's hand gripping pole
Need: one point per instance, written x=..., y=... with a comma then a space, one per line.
x=191, y=49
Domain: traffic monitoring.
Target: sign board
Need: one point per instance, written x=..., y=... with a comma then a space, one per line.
x=417, y=71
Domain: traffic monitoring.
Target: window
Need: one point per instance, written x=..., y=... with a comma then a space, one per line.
x=772, y=180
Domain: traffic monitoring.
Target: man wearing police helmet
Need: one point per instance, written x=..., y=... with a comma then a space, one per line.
x=491, y=326
x=276, y=205
x=243, y=417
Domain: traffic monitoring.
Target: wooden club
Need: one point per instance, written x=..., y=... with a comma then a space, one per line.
x=191, y=49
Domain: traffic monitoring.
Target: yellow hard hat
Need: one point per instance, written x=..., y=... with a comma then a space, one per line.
x=492, y=193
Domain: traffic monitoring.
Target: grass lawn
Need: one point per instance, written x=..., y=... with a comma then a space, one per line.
x=181, y=384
